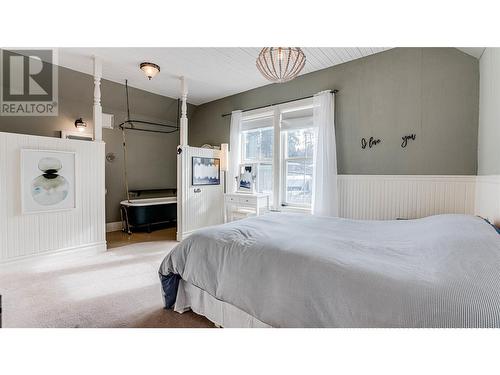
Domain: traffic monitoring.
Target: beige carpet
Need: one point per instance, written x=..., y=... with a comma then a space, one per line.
x=119, y=288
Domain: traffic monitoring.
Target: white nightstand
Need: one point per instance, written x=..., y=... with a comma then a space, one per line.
x=241, y=205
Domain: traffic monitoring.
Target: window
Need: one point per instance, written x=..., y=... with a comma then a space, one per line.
x=297, y=139
x=298, y=167
x=257, y=140
x=258, y=144
x=285, y=168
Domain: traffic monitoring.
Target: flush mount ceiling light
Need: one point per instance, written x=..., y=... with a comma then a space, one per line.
x=280, y=64
x=150, y=69
x=80, y=124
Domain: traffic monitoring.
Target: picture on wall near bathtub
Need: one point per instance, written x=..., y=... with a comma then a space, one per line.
x=206, y=171
x=47, y=181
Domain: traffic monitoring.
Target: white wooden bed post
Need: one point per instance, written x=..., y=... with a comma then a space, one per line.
x=184, y=119
x=97, y=99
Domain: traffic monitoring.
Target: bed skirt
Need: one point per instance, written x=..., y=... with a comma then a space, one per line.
x=190, y=297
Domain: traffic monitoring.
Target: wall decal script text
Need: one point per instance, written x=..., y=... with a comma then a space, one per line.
x=370, y=143
x=406, y=138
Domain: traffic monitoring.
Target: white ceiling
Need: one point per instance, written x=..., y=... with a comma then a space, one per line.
x=473, y=51
x=211, y=73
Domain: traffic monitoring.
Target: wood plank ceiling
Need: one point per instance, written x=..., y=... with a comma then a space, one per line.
x=212, y=73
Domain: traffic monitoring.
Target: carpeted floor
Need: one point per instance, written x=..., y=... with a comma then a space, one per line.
x=118, y=288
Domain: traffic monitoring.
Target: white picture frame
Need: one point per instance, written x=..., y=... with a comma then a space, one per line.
x=38, y=193
x=247, y=178
x=205, y=171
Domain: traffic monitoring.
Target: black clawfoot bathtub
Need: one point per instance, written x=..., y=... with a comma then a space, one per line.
x=144, y=213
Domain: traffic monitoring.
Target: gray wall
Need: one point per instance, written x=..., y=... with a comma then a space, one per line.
x=75, y=100
x=432, y=92
x=489, y=113
x=151, y=158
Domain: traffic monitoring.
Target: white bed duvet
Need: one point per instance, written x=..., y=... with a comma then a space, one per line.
x=292, y=270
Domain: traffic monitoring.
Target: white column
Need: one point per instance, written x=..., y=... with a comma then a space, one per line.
x=184, y=120
x=182, y=169
x=97, y=99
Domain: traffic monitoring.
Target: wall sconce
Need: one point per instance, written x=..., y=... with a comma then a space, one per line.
x=80, y=124
x=149, y=69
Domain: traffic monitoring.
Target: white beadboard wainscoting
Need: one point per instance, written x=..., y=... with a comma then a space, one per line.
x=488, y=198
x=371, y=197
x=408, y=197
x=82, y=228
x=197, y=206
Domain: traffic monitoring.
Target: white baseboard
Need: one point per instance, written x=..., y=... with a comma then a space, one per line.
x=87, y=249
x=113, y=226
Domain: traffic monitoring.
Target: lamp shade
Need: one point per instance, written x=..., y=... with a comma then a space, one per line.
x=281, y=64
x=150, y=69
x=224, y=147
x=80, y=124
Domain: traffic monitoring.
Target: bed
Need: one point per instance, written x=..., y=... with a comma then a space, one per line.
x=293, y=270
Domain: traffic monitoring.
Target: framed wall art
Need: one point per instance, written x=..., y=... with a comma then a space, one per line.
x=205, y=171
x=48, y=181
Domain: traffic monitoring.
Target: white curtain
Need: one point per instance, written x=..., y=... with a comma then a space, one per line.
x=234, y=150
x=325, y=196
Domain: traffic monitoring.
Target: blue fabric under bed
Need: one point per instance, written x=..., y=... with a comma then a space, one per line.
x=169, y=285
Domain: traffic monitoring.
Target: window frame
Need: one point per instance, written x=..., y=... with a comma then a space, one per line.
x=242, y=151
x=244, y=129
x=278, y=159
x=284, y=170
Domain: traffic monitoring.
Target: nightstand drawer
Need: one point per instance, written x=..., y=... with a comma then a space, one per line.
x=239, y=206
x=232, y=199
x=249, y=200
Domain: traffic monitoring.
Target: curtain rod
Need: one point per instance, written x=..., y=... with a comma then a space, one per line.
x=270, y=105
x=128, y=124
